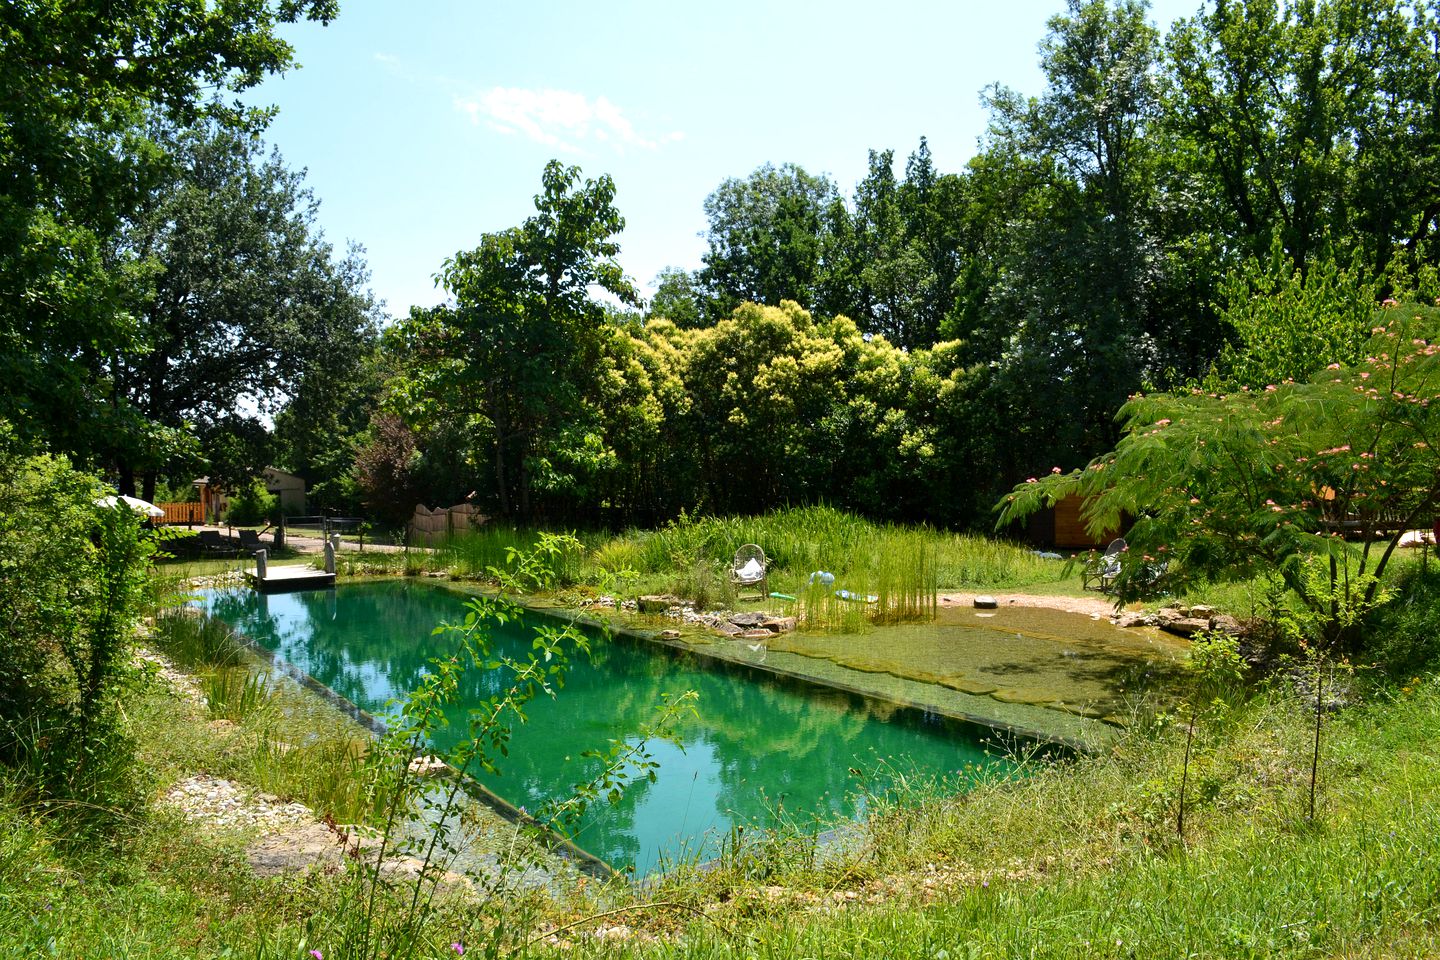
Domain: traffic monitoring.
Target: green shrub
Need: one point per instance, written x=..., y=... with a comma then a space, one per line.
x=194, y=640
x=72, y=582
x=252, y=505
x=1404, y=636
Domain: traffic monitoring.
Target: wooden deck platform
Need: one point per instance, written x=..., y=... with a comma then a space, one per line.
x=278, y=579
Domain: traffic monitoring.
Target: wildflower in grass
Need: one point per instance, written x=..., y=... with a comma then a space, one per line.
x=317, y=955
x=459, y=949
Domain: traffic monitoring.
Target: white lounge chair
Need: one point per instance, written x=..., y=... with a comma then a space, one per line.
x=750, y=568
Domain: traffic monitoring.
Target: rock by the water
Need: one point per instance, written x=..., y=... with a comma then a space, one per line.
x=1171, y=621
x=656, y=604
x=756, y=635
x=669, y=634
x=986, y=603
x=778, y=624
x=1224, y=623
x=748, y=620
x=426, y=766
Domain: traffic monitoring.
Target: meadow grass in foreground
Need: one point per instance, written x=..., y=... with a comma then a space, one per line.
x=1083, y=860
x=1078, y=859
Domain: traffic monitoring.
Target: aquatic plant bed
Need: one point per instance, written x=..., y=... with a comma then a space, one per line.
x=761, y=752
x=1022, y=656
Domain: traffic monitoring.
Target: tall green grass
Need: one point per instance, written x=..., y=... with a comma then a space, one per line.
x=473, y=553
x=235, y=693
x=332, y=774
x=800, y=540
x=194, y=640
x=903, y=566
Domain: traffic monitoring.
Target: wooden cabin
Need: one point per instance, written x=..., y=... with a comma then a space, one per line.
x=1061, y=528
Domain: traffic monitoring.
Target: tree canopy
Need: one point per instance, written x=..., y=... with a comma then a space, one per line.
x=1229, y=486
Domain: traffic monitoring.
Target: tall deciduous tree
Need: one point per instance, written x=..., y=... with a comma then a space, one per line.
x=511, y=356
x=77, y=82
x=244, y=302
x=1313, y=121
x=678, y=298
x=1079, y=262
x=767, y=238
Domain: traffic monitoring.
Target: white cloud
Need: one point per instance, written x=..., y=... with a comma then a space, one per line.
x=557, y=118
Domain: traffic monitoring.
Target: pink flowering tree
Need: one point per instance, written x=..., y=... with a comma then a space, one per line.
x=1313, y=481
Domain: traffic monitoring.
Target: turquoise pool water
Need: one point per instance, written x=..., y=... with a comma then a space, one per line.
x=760, y=750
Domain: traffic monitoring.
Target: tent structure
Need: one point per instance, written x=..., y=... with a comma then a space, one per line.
x=134, y=503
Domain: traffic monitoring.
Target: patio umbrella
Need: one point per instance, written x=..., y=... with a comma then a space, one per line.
x=134, y=503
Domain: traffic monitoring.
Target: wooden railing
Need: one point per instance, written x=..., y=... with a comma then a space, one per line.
x=182, y=512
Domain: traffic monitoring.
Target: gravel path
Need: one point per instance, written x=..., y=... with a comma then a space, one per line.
x=215, y=802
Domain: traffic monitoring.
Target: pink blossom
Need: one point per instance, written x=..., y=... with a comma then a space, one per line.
x=1054, y=469
x=317, y=955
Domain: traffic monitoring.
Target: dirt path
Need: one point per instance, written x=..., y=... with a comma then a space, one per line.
x=1097, y=606
x=304, y=544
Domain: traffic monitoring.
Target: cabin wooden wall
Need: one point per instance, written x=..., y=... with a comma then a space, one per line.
x=1068, y=530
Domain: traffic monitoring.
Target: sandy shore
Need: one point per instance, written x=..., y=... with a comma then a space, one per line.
x=1090, y=606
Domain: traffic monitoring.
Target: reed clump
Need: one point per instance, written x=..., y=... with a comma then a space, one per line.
x=194, y=640
x=235, y=694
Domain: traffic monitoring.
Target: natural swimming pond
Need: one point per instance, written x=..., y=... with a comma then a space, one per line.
x=760, y=750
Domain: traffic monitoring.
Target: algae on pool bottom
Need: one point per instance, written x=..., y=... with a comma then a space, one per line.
x=1021, y=655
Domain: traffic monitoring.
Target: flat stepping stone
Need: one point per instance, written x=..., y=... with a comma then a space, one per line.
x=985, y=602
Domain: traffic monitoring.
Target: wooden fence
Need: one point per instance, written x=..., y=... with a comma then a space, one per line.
x=429, y=527
x=182, y=512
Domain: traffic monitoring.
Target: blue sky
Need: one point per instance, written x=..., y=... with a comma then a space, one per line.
x=425, y=124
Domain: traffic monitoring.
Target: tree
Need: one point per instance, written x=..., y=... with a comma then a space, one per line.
x=678, y=298
x=511, y=357
x=385, y=466
x=1313, y=122
x=244, y=304
x=767, y=238
x=1228, y=486
x=1287, y=325
x=1071, y=172
x=896, y=282
x=78, y=82
x=319, y=433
